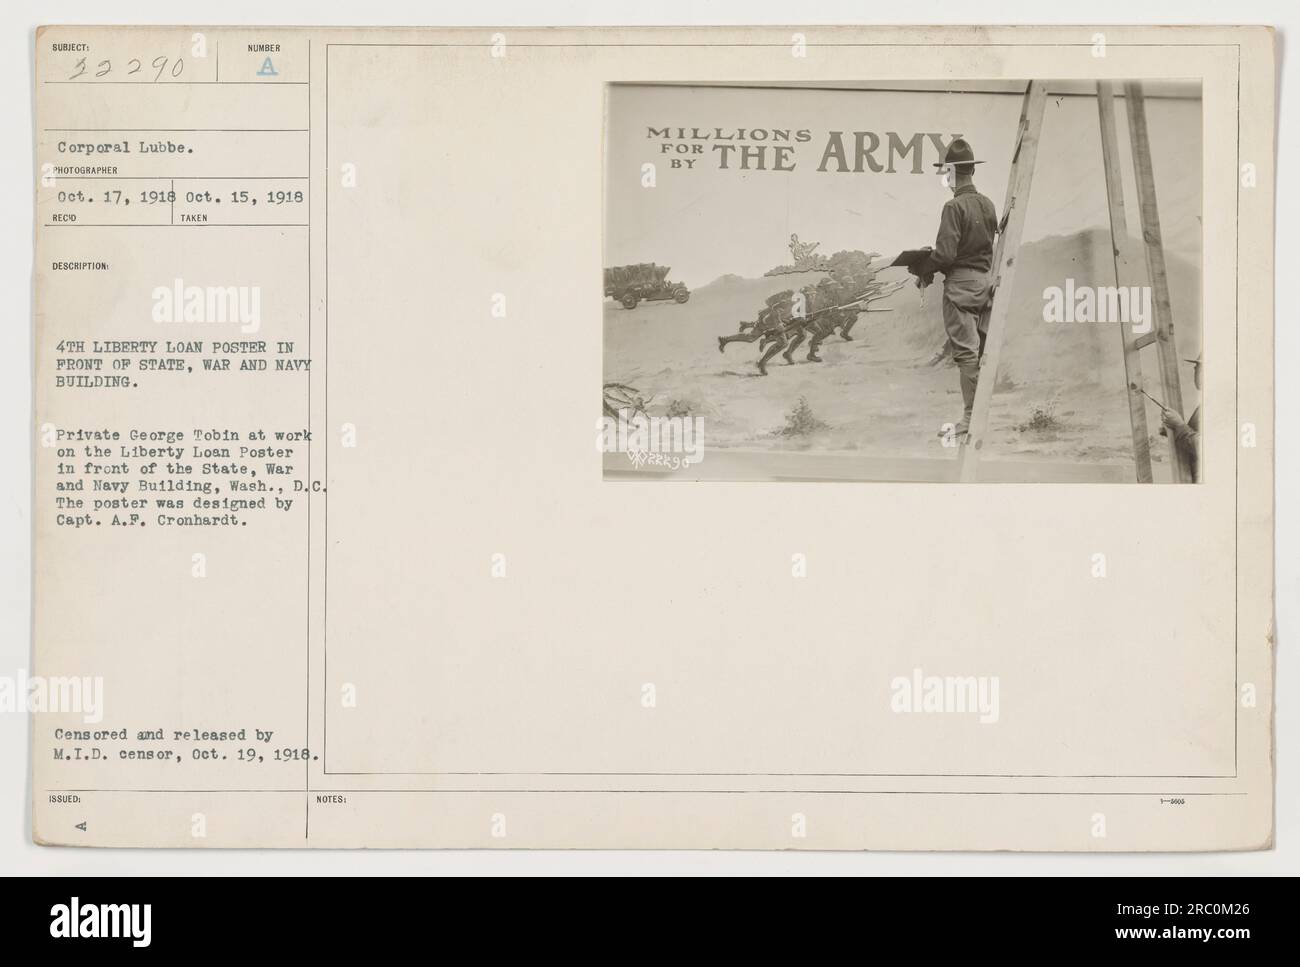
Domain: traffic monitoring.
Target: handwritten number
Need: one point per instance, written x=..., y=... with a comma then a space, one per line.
x=160, y=65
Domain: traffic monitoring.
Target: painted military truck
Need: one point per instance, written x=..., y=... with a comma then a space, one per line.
x=629, y=284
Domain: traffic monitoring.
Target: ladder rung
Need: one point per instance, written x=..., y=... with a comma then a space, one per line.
x=1146, y=339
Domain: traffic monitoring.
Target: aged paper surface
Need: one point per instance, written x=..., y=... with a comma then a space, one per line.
x=335, y=549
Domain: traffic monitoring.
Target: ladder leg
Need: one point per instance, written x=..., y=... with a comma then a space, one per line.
x=1005, y=254
x=1127, y=273
x=1172, y=394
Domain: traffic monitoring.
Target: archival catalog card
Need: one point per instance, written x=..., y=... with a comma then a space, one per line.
x=927, y=505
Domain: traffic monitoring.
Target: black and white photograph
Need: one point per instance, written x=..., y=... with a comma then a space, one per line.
x=922, y=281
x=933, y=526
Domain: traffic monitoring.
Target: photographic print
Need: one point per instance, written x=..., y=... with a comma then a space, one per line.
x=391, y=596
x=992, y=281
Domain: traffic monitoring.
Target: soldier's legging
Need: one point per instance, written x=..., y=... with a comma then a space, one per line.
x=778, y=343
x=848, y=324
x=799, y=333
x=823, y=328
x=752, y=336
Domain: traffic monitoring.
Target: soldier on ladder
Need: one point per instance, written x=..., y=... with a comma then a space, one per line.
x=963, y=252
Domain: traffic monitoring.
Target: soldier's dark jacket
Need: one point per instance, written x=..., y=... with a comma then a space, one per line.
x=966, y=231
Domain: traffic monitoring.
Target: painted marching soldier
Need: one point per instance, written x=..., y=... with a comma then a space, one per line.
x=770, y=325
x=802, y=324
x=830, y=292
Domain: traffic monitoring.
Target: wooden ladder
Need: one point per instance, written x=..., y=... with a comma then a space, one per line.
x=1127, y=273
x=1005, y=252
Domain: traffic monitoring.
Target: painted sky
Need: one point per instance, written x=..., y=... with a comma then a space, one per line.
x=708, y=222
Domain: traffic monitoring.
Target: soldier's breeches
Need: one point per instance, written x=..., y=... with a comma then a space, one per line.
x=965, y=294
